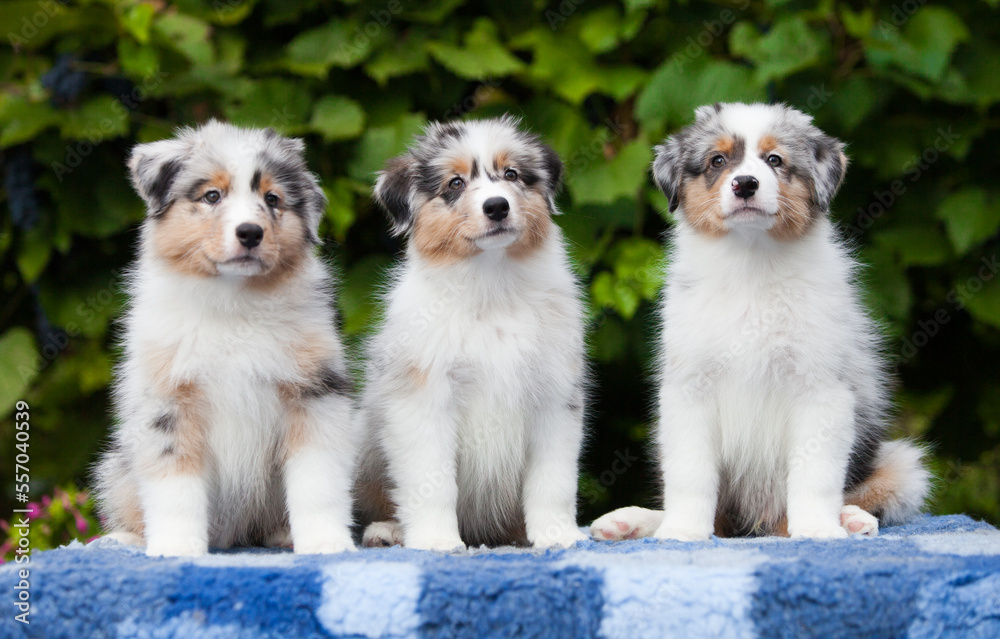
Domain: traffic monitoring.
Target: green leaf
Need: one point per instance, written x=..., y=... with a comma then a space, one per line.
x=356, y=299
x=36, y=249
x=404, y=57
x=856, y=98
x=137, y=20
x=608, y=342
x=984, y=304
x=680, y=85
x=924, y=44
x=138, y=60
x=559, y=66
x=601, y=29
x=639, y=261
x=788, y=47
x=86, y=307
x=610, y=292
x=481, y=57
x=886, y=289
x=970, y=216
x=22, y=120
x=30, y=24
x=338, y=43
x=18, y=354
x=380, y=143
x=186, y=34
x=280, y=104
x=337, y=118
x=602, y=181
x=340, y=206
x=915, y=245
x=100, y=118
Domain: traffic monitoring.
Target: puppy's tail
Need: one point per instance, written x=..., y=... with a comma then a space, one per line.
x=899, y=485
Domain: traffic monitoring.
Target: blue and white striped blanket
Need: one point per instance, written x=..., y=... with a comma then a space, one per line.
x=937, y=577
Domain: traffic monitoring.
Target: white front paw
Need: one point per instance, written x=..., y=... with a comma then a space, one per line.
x=558, y=536
x=814, y=529
x=444, y=541
x=323, y=543
x=858, y=522
x=127, y=538
x=683, y=531
x=176, y=547
x=631, y=522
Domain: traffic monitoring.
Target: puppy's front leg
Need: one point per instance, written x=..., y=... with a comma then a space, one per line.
x=319, y=460
x=822, y=435
x=689, y=462
x=172, y=488
x=420, y=448
x=550, y=482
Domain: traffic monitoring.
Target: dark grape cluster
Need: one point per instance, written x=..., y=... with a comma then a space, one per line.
x=19, y=182
x=64, y=82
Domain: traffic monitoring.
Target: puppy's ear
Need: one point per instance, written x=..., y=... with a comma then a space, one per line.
x=554, y=170
x=313, y=204
x=831, y=166
x=153, y=168
x=394, y=191
x=667, y=169
x=309, y=199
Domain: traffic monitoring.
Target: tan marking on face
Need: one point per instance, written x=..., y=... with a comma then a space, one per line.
x=725, y=145
x=795, y=206
x=702, y=207
x=767, y=144
x=501, y=161
x=535, y=225
x=267, y=184
x=459, y=165
x=442, y=235
x=186, y=237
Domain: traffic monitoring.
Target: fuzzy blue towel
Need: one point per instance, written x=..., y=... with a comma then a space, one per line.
x=936, y=577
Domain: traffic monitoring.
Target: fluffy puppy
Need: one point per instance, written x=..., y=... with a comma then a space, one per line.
x=773, y=390
x=233, y=407
x=475, y=382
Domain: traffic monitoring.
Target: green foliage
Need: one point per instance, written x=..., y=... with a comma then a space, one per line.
x=911, y=87
x=53, y=521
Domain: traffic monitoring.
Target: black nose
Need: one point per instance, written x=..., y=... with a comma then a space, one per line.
x=249, y=235
x=496, y=208
x=745, y=185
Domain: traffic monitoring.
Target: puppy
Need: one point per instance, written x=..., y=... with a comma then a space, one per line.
x=233, y=399
x=474, y=396
x=773, y=390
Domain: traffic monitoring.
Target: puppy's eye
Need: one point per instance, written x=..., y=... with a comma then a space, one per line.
x=510, y=174
x=456, y=183
x=212, y=196
x=774, y=160
x=271, y=200
x=718, y=161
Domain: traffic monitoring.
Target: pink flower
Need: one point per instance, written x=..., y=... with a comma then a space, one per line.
x=35, y=510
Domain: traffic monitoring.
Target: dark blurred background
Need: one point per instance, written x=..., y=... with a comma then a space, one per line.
x=911, y=86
